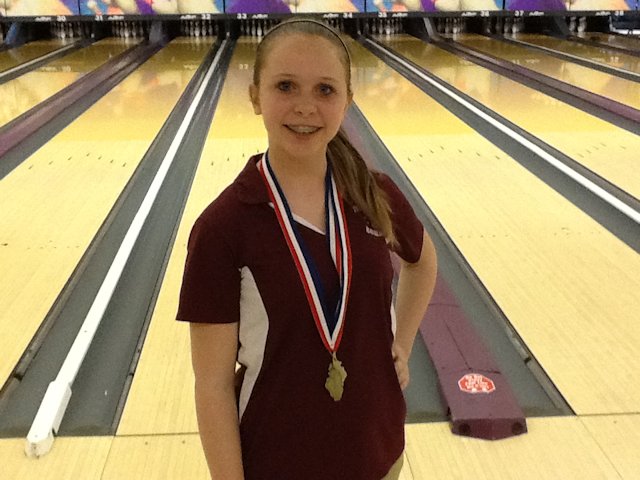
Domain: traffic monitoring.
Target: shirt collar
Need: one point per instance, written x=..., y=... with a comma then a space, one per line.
x=251, y=187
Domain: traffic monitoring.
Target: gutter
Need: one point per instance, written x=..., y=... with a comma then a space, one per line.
x=450, y=335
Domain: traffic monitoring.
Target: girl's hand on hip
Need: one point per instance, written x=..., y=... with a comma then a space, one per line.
x=401, y=363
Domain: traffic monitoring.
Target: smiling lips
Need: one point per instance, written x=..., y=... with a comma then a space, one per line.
x=306, y=129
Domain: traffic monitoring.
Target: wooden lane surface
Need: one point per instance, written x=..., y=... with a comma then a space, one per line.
x=609, y=151
x=71, y=458
x=26, y=91
x=553, y=448
x=156, y=457
x=18, y=55
x=590, y=448
x=165, y=364
x=568, y=286
x=609, y=86
x=599, y=447
x=589, y=52
x=619, y=437
x=54, y=202
x=168, y=457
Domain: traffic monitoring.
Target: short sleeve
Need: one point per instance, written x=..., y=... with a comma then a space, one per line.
x=406, y=225
x=210, y=290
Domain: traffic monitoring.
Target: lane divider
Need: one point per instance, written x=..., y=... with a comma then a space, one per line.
x=553, y=161
x=54, y=404
x=23, y=67
x=578, y=59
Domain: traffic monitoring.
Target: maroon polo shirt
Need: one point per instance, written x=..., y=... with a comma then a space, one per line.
x=239, y=269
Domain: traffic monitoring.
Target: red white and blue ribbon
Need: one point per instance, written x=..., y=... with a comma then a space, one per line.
x=329, y=322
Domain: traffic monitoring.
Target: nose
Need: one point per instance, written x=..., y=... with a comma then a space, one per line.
x=304, y=106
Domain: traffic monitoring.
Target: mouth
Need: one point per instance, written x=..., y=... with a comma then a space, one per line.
x=303, y=129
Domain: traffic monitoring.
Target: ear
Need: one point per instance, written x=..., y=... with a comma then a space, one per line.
x=255, y=99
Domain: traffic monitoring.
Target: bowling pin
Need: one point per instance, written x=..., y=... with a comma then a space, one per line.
x=486, y=26
x=582, y=24
x=507, y=25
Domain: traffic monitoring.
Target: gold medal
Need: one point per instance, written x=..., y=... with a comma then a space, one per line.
x=330, y=329
x=336, y=378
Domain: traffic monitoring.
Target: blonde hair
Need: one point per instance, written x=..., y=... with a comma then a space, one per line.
x=355, y=181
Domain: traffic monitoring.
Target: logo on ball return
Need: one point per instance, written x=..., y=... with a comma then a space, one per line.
x=476, y=383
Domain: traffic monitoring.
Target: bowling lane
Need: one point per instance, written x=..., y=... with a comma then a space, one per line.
x=589, y=52
x=26, y=91
x=56, y=200
x=567, y=285
x=165, y=364
x=609, y=151
x=618, y=89
x=18, y=55
x=631, y=42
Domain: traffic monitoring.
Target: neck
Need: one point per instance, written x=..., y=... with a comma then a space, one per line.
x=298, y=169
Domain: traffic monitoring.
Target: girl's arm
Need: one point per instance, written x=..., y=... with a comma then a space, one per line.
x=415, y=287
x=214, y=348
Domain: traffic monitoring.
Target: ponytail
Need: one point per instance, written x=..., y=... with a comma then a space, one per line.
x=358, y=185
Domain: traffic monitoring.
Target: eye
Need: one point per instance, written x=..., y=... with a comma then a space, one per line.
x=285, y=86
x=326, y=89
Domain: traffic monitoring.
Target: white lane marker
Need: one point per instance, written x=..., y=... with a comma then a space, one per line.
x=571, y=173
x=54, y=404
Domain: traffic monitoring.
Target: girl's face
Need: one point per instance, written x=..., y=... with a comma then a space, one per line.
x=302, y=95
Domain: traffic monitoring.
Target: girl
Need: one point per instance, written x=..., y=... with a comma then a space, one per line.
x=288, y=273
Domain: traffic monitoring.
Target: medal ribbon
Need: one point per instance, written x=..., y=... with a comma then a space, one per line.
x=330, y=324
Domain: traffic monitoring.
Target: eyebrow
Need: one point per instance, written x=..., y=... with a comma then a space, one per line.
x=293, y=75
